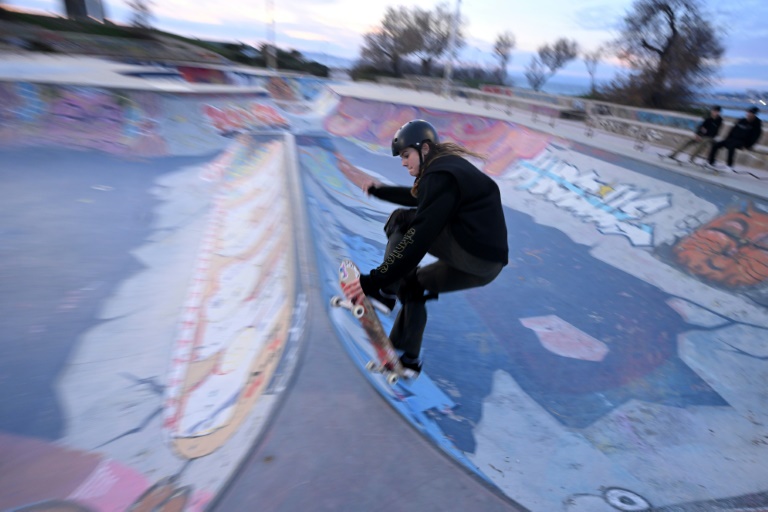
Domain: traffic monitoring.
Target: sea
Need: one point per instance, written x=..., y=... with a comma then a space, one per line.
x=733, y=105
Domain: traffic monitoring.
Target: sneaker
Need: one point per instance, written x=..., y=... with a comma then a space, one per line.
x=412, y=366
x=382, y=301
x=731, y=168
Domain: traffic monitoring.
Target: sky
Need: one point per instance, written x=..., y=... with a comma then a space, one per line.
x=336, y=27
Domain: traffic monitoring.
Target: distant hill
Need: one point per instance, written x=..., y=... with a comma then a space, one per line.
x=331, y=61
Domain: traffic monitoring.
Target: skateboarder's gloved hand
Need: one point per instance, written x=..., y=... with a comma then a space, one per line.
x=355, y=290
x=366, y=284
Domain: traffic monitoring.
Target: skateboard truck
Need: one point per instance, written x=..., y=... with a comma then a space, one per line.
x=357, y=309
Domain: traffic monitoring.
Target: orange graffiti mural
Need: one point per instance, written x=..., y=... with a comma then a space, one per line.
x=731, y=250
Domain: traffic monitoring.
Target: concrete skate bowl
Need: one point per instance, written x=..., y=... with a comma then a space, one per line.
x=611, y=366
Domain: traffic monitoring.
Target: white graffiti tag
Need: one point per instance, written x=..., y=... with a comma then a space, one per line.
x=616, y=209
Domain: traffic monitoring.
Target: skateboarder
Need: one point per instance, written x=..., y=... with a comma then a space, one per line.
x=703, y=136
x=454, y=213
x=743, y=135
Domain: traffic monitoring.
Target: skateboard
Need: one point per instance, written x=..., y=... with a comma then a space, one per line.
x=388, y=362
x=664, y=157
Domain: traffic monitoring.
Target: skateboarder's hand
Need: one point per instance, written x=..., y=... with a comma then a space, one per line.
x=353, y=291
x=368, y=186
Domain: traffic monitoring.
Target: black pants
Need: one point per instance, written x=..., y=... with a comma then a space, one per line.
x=455, y=270
x=731, y=145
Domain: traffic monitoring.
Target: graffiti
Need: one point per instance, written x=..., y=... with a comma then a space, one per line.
x=202, y=75
x=372, y=125
x=498, y=89
x=244, y=118
x=72, y=480
x=691, y=222
x=730, y=251
x=280, y=89
x=615, y=209
x=564, y=339
x=237, y=317
x=82, y=117
x=134, y=123
x=625, y=500
x=666, y=120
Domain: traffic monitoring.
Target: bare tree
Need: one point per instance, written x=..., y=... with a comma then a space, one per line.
x=672, y=46
x=398, y=36
x=142, y=13
x=502, y=48
x=549, y=60
x=536, y=73
x=591, y=59
x=436, y=34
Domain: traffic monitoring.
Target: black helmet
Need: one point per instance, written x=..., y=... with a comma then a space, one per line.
x=412, y=134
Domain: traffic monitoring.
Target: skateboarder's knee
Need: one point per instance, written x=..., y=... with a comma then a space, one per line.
x=399, y=220
x=410, y=289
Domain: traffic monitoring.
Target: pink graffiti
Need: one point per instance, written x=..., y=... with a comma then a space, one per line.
x=238, y=118
x=374, y=123
x=563, y=339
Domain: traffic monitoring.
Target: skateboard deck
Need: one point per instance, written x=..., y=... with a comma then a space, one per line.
x=388, y=362
x=687, y=163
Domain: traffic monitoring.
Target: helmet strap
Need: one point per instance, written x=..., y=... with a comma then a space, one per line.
x=421, y=156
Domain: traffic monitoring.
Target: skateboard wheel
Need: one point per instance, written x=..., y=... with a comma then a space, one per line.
x=358, y=311
x=335, y=301
x=392, y=379
x=370, y=366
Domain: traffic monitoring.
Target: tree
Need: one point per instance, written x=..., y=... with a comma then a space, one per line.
x=591, y=60
x=673, y=48
x=142, y=13
x=536, y=73
x=549, y=60
x=436, y=33
x=502, y=49
x=398, y=36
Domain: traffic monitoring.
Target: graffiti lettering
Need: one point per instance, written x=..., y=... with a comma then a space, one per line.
x=616, y=210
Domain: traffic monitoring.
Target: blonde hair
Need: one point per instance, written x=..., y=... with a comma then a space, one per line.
x=440, y=150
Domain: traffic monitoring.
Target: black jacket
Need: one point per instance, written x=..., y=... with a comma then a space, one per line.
x=746, y=133
x=709, y=127
x=452, y=192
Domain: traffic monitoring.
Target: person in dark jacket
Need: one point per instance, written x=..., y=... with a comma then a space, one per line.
x=744, y=134
x=703, y=136
x=454, y=213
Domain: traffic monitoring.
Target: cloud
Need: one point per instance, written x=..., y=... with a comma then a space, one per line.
x=306, y=36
